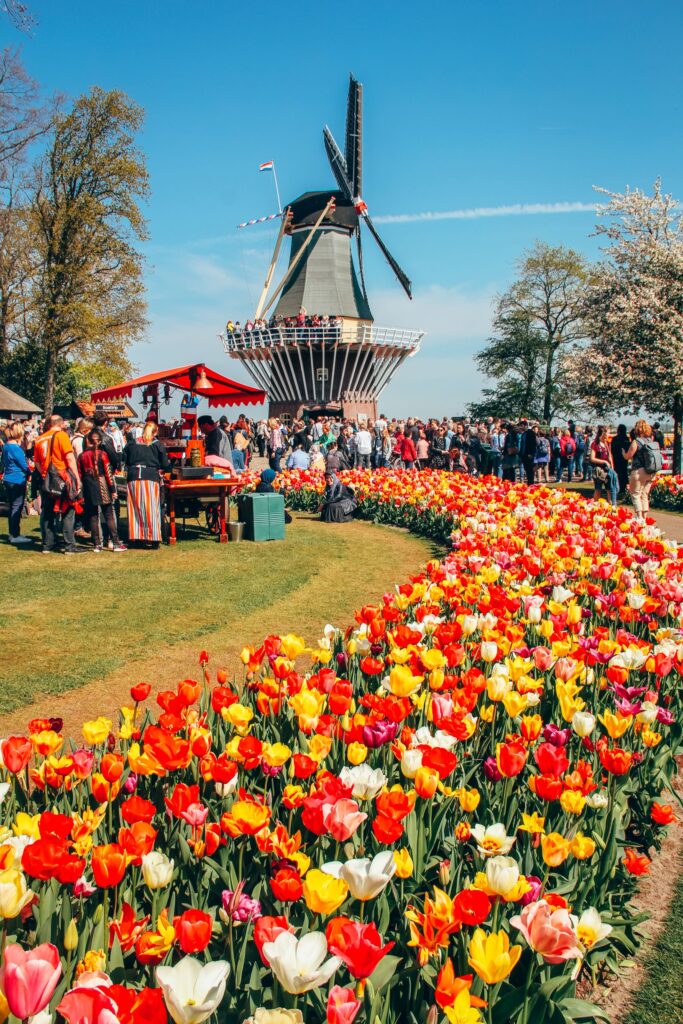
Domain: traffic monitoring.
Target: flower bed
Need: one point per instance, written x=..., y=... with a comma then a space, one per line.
x=439, y=814
x=667, y=493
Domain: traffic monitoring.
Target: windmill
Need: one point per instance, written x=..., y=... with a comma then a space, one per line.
x=340, y=367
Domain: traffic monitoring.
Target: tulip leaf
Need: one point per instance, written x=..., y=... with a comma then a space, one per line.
x=384, y=972
x=581, y=1009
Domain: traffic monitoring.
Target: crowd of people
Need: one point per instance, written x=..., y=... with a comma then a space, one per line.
x=303, y=327
x=65, y=472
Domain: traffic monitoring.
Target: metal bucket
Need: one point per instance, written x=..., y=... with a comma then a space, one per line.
x=236, y=531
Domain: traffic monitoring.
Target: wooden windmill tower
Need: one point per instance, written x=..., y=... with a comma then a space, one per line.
x=342, y=367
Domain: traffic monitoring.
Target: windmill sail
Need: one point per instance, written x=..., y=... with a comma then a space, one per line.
x=400, y=274
x=337, y=163
x=354, y=136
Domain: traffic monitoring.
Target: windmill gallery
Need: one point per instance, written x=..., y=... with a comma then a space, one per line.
x=312, y=343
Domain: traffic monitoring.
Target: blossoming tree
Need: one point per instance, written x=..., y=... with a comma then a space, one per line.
x=635, y=311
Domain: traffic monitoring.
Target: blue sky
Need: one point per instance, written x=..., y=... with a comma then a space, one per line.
x=467, y=105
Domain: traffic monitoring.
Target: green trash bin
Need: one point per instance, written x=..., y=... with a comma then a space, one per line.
x=263, y=516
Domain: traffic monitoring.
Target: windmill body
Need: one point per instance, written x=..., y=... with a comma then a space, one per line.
x=342, y=365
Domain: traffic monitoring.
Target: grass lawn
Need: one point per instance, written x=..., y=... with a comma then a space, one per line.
x=660, y=999
x=102, y=622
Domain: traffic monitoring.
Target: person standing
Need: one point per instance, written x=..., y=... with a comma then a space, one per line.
x=146, y=459
x=646, y=461
x=99, y=491
x=567, y=450
x=422, y=450
x=542, y=456
x=600, y=456
x=619, y=446
x=276, y=443
x=527, y=451
x=15, y=472
x=53, y=449
x=363, y=448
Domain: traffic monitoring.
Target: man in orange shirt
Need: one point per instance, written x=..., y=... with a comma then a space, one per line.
x=53, y=447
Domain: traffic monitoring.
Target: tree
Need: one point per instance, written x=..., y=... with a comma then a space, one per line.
x=635, y=311
x=550, y=294
x=24, y=372
x=16, y=266
x=88, y=299
x=515, y=359
x=22, y=116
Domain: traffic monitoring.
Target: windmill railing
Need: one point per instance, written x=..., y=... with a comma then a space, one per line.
x=346, y=334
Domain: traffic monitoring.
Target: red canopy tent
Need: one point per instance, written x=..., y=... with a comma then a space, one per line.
x=197, y=378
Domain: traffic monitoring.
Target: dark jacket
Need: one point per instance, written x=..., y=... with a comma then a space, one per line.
x=107, y=445
x=145, y=461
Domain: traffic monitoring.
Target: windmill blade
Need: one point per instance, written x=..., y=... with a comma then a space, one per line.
x=402, y=277
x=360, y=262
x=337, y=163
x=354, y=136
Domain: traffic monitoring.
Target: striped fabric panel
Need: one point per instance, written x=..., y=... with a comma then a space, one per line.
x=144, y=510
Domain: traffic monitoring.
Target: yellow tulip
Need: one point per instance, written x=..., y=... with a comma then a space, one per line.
x=27, y=825
x=14, y=893
x=492, y=956
x=319, y=747
x=4, y=1008
x=292, y=646
x=71, y=936
x=572, y=801
x=356, y=753
x=276, y=754
x=461, y=1011
x=555, y=849
x=432, y=659
x=514, y=703
x=582, y=847
x=404, y=863
x=238, y=716
x=469, y=799
x=402, y=682
x=96, y=731
x=532, y=823
x=616, y=725
x=324, y=893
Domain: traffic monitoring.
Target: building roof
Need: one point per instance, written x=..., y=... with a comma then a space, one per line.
x=11, y=402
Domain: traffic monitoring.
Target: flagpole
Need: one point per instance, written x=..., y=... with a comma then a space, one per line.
x=277, y=191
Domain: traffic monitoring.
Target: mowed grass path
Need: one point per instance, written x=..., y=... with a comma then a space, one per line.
x=76, y=632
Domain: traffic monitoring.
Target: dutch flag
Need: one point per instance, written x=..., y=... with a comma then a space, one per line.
x=268, y=166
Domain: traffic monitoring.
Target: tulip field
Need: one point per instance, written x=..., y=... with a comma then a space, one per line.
x=667, y=493
x=438, y=814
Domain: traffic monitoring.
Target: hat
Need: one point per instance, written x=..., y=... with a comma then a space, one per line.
x=223, y=419
x=268, y=475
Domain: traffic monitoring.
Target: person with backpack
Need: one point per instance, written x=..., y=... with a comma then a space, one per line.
x=580, y=452
x=60, y=485
x=542, y=457
x=567, y=452
x=646, y=461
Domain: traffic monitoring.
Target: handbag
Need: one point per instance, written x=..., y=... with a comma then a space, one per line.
x=54, y=484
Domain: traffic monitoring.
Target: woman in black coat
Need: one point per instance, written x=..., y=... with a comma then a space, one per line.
x=619, y=445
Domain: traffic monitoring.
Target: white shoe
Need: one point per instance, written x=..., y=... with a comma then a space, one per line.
x=110, y=545
x=20, y=540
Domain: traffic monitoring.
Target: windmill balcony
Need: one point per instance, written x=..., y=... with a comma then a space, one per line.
x=347, y=334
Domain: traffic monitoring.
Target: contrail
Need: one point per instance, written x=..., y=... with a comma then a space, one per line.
x=515, y=210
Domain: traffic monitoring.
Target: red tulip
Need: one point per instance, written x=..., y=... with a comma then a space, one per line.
x=359, y=945
x=30, y=978
x=193, y=930
x=342, y=1006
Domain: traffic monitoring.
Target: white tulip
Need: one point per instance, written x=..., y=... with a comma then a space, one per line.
x=224, y=789
x=469, y=624
x=157, y=870
x=590, y=930
x=411, y=760
x=366, y=781
x=598, y=800
x=502, y=874
x=365, y=878
x=298, y=963
x=583, y=723
x=193, y=990
x=4, y=790
x=492, y=839
x=648, y=713
x=275, y=1016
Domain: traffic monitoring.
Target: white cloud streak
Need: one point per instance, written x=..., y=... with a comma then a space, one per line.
x=477, y=212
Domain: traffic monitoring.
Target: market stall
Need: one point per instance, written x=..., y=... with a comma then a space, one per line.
x=192, y=485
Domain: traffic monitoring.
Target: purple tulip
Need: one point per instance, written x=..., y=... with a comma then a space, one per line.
x=240, y=907
x=131, y=783
x=491, y=770
x=558, y=737
x=379, y=733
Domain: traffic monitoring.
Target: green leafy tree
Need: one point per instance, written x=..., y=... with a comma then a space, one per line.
x=24, y=371
x=635, y=312
x=514, y=358
x=550, y=295
x=88, y=299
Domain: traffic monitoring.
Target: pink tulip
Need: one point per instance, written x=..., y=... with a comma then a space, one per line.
x=195, y=815
x=543, y=658
x=87, y=1005
x=30, y=977
x=550, y=932
x=342, y=818
x=342, y=1005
